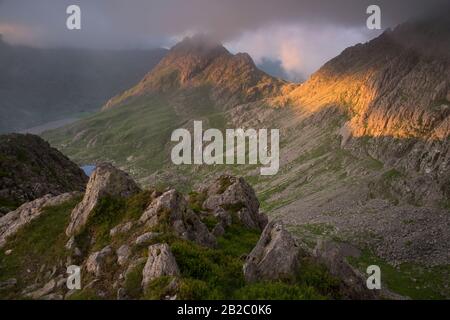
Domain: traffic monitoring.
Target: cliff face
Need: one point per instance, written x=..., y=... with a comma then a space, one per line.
x=199, y=62
x=30, y=169
x=395, y=91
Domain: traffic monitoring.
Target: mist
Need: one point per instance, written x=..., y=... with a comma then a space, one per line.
x=300, y=34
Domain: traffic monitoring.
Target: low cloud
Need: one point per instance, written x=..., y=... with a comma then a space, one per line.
x=301, y=49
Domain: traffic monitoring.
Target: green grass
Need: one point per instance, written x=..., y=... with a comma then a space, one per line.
x=108, y=213
x=217, y=273
x=41, y=242
x=411, y=280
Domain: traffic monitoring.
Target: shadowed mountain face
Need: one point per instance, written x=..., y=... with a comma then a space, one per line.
x=30, y=169
x=42, y=85
x=364, y=142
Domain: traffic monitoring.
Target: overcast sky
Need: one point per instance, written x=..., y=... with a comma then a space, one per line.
x=300, y=34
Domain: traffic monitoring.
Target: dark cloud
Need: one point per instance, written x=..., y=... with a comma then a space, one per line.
x=118, y=23
x=256, y=26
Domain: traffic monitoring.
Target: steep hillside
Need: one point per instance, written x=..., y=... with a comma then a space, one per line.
x=196, y=80
x=364, y=143
x=63, y=83
x=30, y=169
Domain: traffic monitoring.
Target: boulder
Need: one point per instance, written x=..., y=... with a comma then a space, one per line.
x=146, y=238
x=105, y=181
x=97, y=261
x=353, y=282
x=123, y=253
x=235, y=195
x=121, y=229
x=275, y=256
x=171, y=209
x=13, y=221
x=160, y=262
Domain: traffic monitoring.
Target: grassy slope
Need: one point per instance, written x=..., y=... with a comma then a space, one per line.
x=40, y=244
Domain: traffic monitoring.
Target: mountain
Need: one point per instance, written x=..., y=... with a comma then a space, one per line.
x=63, y=83
x=197, y=79
x=199, y=62
x=31, y=169
x=364, y=143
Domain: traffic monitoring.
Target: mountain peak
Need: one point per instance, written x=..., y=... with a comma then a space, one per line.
x=201, y=62
x=200, y=44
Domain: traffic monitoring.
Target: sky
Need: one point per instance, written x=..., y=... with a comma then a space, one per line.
x=296, y=35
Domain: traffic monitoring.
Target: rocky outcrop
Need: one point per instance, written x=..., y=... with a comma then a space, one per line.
x=160, y=262
x=145, y=238
x=123, y=253
x=275, y=256
x=171, y=210
x=31, y=169
x=13, y=221
x=353, y=282
x=236, y=196
x=105, y=181
x=97, y=261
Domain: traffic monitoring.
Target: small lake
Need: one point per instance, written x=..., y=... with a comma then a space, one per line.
x=88, y=169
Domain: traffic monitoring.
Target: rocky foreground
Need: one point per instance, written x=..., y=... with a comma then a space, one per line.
x=134, y=244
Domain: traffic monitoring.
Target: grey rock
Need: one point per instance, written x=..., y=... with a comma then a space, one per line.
x=105, y=181
x=146, y=238
x=353, y=282
x=172, y=208
x=275, y=256
x=160, y=262
x=123, y=253
x=121, y=228
x=232, y=193
x=95, y=263
x=218, y=230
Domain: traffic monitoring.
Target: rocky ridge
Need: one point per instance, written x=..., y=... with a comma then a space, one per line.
x=149, y=251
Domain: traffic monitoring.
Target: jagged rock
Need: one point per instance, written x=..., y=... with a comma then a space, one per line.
x=275, y=256
x=224, y=217
x=171, y=209
x=160, y=262
x=121, y=228
x=8, y=284
x=105, y=181
x=235, y=194
x=146, y=238
x=333, y=255
x=96, y=262
x=123, y=253
x=13, y=221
